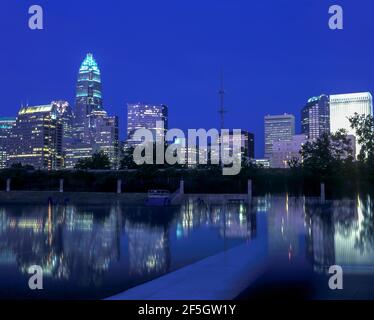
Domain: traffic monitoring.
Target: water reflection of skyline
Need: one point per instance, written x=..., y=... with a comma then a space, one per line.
x=81, y=245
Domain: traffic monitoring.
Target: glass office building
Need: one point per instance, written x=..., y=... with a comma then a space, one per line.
x=146, y=116
x=344, y=106
x=6, y=126
x=315, y=117
x=88, y=95
x=102, y=134
x=36, y=138
x=278, y=128
x=66, y=117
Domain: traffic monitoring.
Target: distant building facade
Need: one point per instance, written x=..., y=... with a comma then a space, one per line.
x=286, y=151
x=246, y=140
x=146, y=116
x=315, y=117
x=36, y=138
x=264, y=163
x=6, y=126
x=66, y=117
x=77, y=151
x=278, y=128
x=100, y=135
x=103, y=136
x=344, y=106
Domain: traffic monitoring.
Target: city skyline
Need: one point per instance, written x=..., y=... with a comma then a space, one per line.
x=269, y=67
x=88, y=109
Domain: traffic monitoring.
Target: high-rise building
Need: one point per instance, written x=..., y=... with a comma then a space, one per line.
x=66, y=117
x=278, y=128
x=146, y=116
x=102, y=131
x=246, y=140
x=6, y=126
x=76, y=151
x=315, y=117
x=344, y=106
x=36, y=138
x=286, y=151
x=100, y=135
x=88, y=95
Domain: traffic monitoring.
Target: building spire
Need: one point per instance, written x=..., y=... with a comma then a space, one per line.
x=222, y=110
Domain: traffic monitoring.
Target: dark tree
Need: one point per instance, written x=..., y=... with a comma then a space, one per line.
x=98, y=161
x=364, y=127
x=327, y=154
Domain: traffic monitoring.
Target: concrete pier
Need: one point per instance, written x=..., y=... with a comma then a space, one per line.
x=8, y=184
x=119, y=186
x=61, y=185
x=250, y=193
x=181, y=187
x=220, y=277
x=323, y=194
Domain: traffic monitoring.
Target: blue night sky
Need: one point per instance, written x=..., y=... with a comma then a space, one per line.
x=275, y=55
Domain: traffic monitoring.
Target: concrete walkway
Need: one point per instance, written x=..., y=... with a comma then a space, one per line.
x=220, y=277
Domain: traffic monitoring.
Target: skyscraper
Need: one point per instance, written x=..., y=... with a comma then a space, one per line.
x=278, y=128
x=66, y=117
x=285, y=151
x=245, y=140
x=88, y=95
x=146, y=116
x=315, y=117
x=6, y=126
x=100, y=135
x=36, y=138
x=102, y=131
x=344, y=106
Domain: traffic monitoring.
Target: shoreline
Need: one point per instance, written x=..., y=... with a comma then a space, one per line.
x=95, y=198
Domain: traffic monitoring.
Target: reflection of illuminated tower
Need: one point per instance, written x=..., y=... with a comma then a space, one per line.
x=149, y=250
x=90, y=245
x=285, y=224
x=320, y=236
x=237, y=223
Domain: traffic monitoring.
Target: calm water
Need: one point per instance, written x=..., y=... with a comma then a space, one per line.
x=96, y=251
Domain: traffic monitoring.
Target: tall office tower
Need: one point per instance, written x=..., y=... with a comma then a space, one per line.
x=145, y=116
x=278, y=128
x=6, y=126
x=88, y=95
x=315, y=117
x=36, y=138
x=285, y=151
x=245, y=139
x=344, y=106
x=102, y=135
x=251, y=145
x=66, y=117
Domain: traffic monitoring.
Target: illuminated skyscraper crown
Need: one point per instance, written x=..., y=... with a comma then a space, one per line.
x=89, y=64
